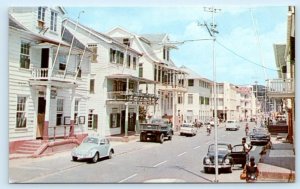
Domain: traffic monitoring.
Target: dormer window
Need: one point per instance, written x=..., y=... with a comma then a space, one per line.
x=53, y=22
x=166, y=55
x=126, y=41
x=41, y=17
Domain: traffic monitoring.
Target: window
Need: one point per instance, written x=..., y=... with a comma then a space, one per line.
x=202, y=100
x=141, y=70
x=53, y=22
x=112, y=56
x=59, y=111
x=92, y=86
x=179, y=99
x=24, y=55
x=190, y=98
x=128, y=61
x=126, y=41
x=181, y=82
x=94, y=49
x=41, y=17
x=206, y=101
x=62, y=59
x=92, y=121
x=134, y=63
x=21, y=112
x=76, y=112
x=155, y=73
x=191, y=82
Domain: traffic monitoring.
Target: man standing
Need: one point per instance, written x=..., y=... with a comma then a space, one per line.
x=247, y=148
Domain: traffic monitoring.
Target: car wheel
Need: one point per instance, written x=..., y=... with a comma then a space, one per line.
x=95, y=158
x=110, y=154
x=142, y=137
x=229, y=170
x=161, y=138
x=170, y=137
x=74, y=158
x=206, y=170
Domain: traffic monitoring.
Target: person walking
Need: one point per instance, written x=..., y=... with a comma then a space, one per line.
x=247, y=148
x=246, y=129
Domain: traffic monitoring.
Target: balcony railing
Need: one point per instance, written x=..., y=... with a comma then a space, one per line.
x=131, y=96
x=281, y=88
x=43, y=74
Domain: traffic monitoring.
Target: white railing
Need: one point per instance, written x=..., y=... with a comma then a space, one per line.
x=43, y=73
x=40, y=73
x=282, y=86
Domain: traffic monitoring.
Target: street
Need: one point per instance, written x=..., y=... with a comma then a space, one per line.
x=178, y=160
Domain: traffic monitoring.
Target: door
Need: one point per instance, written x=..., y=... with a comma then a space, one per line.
x=131, y=121
x=41, y=117
x=45, y=58
x=238, y=155
x=122, y=121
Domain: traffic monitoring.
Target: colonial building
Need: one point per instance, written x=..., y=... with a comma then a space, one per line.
x=48, y=76
x=114, y=94
x=195, y=104
x=156, y=64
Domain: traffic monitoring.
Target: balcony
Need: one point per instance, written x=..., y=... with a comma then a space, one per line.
x=281, y=88
x=134, y=97
x=58, y=75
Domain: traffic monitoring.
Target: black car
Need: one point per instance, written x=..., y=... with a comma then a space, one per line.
x=260, y=136
x=227, y=157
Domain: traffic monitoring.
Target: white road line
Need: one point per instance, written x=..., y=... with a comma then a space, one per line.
x=128, y=178
x=159, y=164
x=181, y=154
x=196, y=147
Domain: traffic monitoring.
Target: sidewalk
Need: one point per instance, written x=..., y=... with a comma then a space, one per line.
x=278, y=163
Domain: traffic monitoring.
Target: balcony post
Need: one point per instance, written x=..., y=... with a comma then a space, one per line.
x=71, y=133
x=47, y=113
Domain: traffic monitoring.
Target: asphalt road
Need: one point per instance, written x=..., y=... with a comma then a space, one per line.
x=179, y=160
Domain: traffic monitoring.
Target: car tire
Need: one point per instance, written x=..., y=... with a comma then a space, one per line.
x=229, y=170
x=161, y=138
x=74, y=158
x=142, y=137
x=110, y=154
x=95, y=158
x=170, y=137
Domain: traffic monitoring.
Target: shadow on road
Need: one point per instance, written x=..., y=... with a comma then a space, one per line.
x=191, y=172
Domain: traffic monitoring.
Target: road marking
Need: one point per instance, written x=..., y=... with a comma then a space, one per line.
x=159, y=164
x=196, y=147
x=207, y=142
x=33, y=168
x=128, y=178
x=181, y=154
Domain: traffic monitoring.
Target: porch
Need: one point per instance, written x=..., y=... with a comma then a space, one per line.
x=281, y=88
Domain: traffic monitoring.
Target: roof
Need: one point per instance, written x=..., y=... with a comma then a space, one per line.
x=154, y=37
x=14, y=23
x=193, y=75
x=68, y=36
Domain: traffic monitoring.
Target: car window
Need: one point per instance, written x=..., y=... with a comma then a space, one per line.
x=91, y=140
x=186, y=125
x=221, y=147
x=102, y=141
x=237, y=148
x=230, y=121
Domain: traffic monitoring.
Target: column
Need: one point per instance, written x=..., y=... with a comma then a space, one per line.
x=154, y=111
x=126, y=119
x=137, y=120
x=71, y=132
x=174, y=110
x=47, y=113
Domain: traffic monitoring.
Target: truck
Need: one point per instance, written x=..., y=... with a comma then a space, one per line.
x=157, y=130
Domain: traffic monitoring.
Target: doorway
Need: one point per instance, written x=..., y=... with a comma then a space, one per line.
x=41, y=117
x=45, y=58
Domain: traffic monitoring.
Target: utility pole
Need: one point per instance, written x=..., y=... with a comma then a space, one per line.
x=212, y=31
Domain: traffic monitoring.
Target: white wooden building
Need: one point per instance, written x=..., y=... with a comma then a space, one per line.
x=47, y=77
x=156, y=64
x=114, y=95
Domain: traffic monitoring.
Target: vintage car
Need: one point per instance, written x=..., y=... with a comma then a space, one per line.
x=227, y=157
x=157, y=130
x=232, y=125
x=260, y=135
x=93, y=148
x=188, y=129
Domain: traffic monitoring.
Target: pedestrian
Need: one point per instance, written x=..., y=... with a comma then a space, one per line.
x=251, y=170
x=246, y=148
x=246, y=129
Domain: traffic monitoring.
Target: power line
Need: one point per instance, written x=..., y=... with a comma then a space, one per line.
x=244, y=57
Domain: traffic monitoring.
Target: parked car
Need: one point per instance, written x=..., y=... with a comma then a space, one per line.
x=260, y=135
x=188, y=129
x=157, y=130
x=93, y=148
x=232, y=125
x=227, y=157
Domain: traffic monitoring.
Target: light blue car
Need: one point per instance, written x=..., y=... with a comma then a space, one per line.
x=93, y=148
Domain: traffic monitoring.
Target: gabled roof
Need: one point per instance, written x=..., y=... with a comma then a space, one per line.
x=155, y=38
x=12, y=22
x=68, y=36
x=193, y=75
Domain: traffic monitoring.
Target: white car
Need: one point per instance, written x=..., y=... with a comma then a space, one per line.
x=188, y=129
x=232, y=125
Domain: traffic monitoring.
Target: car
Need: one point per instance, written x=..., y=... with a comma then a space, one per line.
x=232, y=125
x=188, y=129
x=228, y=156
x=93, y=148
x=260, y=135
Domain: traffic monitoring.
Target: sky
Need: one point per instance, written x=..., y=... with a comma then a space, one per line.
x=244, y=44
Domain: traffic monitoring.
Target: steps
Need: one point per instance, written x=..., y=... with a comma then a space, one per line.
x=29, y=147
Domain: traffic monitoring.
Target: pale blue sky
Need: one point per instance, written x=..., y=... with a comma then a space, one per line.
x=236, y=33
